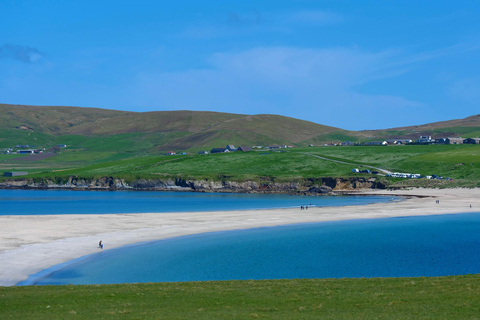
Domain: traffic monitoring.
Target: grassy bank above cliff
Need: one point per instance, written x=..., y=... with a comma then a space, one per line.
x=459, y=162
x=456, y=297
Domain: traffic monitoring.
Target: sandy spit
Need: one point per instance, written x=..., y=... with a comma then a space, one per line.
x=30, y=244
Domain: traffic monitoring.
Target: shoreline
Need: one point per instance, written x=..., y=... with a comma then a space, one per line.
x=30, y=244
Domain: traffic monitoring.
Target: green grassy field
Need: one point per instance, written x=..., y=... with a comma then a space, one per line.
x=459, y=162
x=456, y=297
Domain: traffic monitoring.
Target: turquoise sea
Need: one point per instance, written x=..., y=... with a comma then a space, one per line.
x=392, y=247
x=41, y=202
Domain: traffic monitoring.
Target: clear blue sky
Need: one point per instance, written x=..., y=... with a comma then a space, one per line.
x=349, y=64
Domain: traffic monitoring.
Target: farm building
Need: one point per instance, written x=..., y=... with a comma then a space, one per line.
x=425, y=139
x=15, y=173
x=377, y=143
x=454, y=140
x=219, y=150
x=471, y=141
x=244, y=148
x=399, y=141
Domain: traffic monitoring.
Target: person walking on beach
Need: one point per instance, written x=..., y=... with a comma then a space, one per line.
x=100, y=244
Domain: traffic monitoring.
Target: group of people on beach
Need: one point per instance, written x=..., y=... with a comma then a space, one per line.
x=304, y=207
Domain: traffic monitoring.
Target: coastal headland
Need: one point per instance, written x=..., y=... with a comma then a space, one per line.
x=30, y=244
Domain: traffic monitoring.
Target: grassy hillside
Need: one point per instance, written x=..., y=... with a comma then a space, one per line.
x=154, y=132
x=459, y=162
x=53, y=120
x=466, y=128
x=455, y=297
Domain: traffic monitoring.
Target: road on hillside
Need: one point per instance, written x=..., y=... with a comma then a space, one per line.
x=349, y=163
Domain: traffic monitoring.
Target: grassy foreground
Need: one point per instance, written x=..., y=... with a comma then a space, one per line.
x=455, y=297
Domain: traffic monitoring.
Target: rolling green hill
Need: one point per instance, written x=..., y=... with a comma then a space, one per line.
x=91, y=129
x=466, y=128
x=155, y=131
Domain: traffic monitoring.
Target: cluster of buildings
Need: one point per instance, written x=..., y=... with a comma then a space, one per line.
x=403, y=175
x=449, y=140
x=26, y=149
x=232, y=148
x=21, y=149
x=421, y=140
x=416, y=176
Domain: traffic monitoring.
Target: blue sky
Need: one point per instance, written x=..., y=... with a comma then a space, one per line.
x=349, y=64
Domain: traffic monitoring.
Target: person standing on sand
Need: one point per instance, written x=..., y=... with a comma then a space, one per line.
x=100, y=245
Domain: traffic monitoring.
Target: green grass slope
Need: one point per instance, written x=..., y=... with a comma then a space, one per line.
x=52, y=120
x=459, y=162
x=153, y=131
x=450, y=298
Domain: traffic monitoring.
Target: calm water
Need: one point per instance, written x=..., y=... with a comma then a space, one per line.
x=394, y=247
x=41, y=202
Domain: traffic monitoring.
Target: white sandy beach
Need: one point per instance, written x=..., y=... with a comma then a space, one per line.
x=30, y=244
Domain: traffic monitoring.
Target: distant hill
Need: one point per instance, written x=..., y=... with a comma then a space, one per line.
x=176, y=130
x=466, y=128
x=188, y=130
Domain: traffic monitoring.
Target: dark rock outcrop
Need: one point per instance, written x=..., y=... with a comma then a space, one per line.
x=313, y=186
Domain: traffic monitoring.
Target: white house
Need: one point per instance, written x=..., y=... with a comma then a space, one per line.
x=425, y=139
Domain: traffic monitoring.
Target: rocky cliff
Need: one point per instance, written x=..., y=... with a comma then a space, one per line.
x=304, y=186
